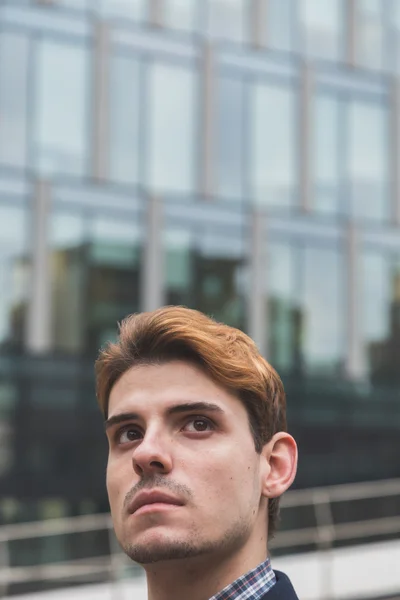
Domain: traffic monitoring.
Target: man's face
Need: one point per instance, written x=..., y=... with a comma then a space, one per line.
x=173, y=431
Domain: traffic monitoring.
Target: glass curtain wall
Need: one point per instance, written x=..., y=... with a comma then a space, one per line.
x=368, y=148
x=61, y=118
x=323, y=28
x=228, y=20
x=282, y=31
x=230, y=137
x=14, y=274
x=302, y=339
x=171, y=94
x=96, y=260
x=370, y=38
x=351, y=156
x=381, y=315
x=272, y=143
x=14, y=49
x=183, y=15
x=124, y=117
x=206, y=268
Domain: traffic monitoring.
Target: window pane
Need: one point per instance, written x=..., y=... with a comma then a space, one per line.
x=381, y=316
x=113, y=278
x=78, y=4
x=67, y=238
x=61, y=120
x=202, y=272
x=95, y=278
x=368, y=159
x=370, y=30
x=227, y=19
x=283, y=311
x=281, y=24
x=231, y=152
x=124, y=119
x=14, y=268
x=131, y=9
x=394, y=20
x=323, y=347
x=181, y=14
x=273, y=142
x=326, y=153
x=14, y=54
x=323, y=23
x=170, y=148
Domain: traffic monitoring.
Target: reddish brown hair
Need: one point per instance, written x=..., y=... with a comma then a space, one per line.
x=227, y=355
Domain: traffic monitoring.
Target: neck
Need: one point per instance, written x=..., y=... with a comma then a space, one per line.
x=201, y=577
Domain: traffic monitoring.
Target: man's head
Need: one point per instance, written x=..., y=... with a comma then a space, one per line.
x=194, y=412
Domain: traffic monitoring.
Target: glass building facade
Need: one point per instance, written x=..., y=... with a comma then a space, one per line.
x=240, y=157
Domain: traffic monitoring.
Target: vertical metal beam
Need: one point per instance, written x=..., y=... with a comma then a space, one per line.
x=257, y=300
x=208, y=115
x=38, y=328
x=394, y=150
x=355, y=368
x=156, y=12
x=351, y=32
x=101, y=112
x=153, y=272
x=306, y=135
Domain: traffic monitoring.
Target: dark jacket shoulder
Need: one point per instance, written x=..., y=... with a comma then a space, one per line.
x=282, y=590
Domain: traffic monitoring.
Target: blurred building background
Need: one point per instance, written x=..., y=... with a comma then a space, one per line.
x=241, y=157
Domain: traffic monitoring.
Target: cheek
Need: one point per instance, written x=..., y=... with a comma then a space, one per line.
x=114, y=482
x=226, y=474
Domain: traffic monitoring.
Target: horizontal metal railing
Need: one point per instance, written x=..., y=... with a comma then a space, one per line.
x=111, y=565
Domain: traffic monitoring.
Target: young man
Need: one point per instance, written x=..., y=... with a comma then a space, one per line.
x=198, y=456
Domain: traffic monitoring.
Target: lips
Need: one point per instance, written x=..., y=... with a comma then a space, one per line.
x=152, y=497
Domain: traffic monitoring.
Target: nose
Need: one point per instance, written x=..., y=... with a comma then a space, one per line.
x=152, y=456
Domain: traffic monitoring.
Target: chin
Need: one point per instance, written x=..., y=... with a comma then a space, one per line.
x=158, y=548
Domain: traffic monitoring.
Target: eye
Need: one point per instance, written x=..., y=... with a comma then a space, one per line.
x=199, y=425
x=127, y=434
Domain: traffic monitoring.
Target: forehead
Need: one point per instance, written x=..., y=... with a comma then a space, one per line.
x=156, y=387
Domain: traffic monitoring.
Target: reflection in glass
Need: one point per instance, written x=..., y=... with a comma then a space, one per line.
x=205, y=274
x=281, y=19
x=131, y=9
x=60, y=120
x=170, y=146
x=14, y=272
x=67, y=237
x=381, y=316
x=14, y=50
x=368, y=159
x=76, y=4
x=327, y=152
x=302, y=339
x=323, y=314
x=124, y=118
x=227, y=19
x=230, y=143
x=181, y=14
x=95, y=278
x=394, y=20
x=370, y=33
x=283, y=308
x=323, y=24
x=273, y=141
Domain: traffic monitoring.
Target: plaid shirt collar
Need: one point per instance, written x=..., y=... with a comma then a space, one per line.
x=251, y=586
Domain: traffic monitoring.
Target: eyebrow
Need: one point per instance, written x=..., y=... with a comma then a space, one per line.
x=173, y=410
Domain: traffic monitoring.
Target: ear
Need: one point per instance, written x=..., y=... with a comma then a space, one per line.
x=280, y=465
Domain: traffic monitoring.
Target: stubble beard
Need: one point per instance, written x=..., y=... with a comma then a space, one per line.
x=195, y=546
